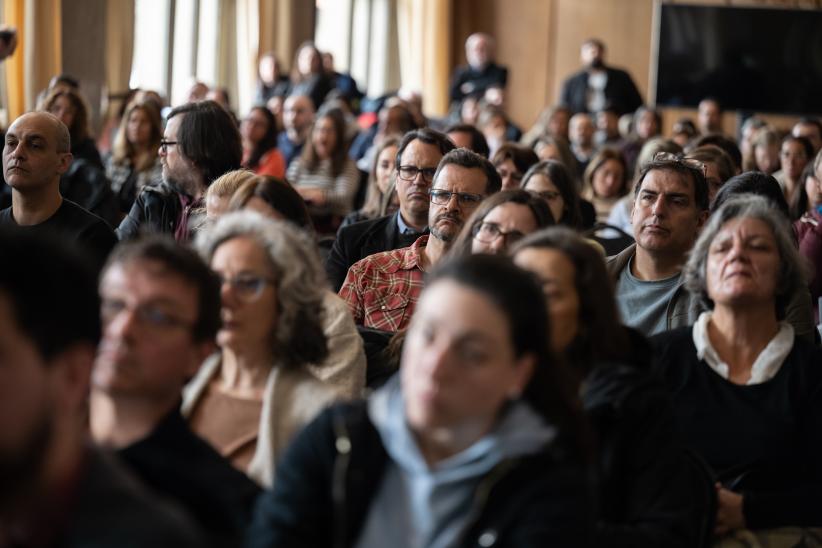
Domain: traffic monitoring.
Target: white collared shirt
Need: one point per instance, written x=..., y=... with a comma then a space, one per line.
x=768, y=362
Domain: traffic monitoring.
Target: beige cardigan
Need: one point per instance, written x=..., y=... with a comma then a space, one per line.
x=344, y=368
x=291, y=399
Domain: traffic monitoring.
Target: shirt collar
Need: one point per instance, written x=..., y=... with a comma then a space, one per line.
x=411, y=258
x=404, y=228
x=768, y=362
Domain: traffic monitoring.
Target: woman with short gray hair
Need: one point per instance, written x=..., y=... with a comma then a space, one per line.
x=747, y=392
x=250, y=399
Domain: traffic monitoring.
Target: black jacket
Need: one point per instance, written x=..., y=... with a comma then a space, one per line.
x=649, y=492
x=87, y=186
x=359, y=240
x=328, y=477
x=112, y=508
x=177, y=463
x=620, y=92
x=156, y=209
x=493, y=74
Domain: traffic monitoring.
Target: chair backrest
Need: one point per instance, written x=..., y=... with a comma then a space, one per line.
x=612, y=238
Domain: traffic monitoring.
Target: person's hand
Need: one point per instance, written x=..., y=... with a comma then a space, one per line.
x=8, y=41
x=729, y=514
x=313, y=196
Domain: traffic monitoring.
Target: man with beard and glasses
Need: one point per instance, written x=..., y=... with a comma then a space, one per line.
x=418, y=155
x=382, y=289
x=598, y=85
x=55, y=490
x=200, y=142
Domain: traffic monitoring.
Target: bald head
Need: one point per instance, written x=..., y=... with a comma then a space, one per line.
x=479, y=50
x=36, y=151
x=59, y=133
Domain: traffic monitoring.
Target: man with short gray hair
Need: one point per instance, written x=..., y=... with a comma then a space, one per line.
x=481, y=72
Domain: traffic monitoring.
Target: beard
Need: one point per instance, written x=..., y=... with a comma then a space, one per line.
x=446, y=237
x=20, y=468
x=596, y=63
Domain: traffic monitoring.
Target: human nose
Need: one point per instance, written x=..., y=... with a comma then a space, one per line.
x=121, y=323
x=659, y=206
x=436, y=362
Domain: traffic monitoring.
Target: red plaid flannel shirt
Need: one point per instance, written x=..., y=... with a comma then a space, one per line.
x=382, y=289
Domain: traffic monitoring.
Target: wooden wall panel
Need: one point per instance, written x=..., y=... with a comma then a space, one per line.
x=539, y=41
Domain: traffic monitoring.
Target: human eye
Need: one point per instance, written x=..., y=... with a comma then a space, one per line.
x=469, y=198
x=248, y=284
x=156, y=316
x=429, y=172
x=408, y=172
x=472, y=353
x=514, y=236
x=110, y=308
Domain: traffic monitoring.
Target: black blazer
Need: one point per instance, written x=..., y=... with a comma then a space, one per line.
x=358, y=241
x=620, y=92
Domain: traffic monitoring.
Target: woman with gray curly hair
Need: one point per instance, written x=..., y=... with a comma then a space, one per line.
x=747, y=392
x=250, y=399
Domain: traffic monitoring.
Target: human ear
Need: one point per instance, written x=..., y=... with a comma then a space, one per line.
x=523, y=370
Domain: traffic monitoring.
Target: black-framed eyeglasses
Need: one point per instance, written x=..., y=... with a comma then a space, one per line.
x=663, y=156
x=247, y=287
x=442, y=197
x=409, y=173
x=165, y=144
x=152, y=316
x=488, y=232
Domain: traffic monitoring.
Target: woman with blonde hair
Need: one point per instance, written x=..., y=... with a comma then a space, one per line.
x=220, y=192
x=379, y=183
x=134, y=162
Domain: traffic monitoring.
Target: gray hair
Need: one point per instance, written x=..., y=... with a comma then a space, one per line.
x=793, y=271
x=300, y=280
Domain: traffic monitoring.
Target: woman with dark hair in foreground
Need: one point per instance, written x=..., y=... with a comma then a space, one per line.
x=471, y=444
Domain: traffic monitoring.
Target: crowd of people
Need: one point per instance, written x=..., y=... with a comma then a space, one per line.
x=336, y=322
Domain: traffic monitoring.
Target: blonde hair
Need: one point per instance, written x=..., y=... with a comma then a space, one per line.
x=227, y=184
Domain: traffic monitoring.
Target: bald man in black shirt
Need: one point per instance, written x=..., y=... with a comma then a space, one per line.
x=35, y=155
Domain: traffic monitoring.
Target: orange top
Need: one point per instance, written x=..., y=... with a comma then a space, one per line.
x=272, y=163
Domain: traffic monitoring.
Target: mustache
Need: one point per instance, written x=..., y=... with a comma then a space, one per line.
x=453, y=216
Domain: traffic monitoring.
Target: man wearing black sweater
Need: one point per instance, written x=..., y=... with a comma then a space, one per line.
x=160, y=311
x=35, y=155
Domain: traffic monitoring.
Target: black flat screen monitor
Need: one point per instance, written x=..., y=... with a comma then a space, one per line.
x=752, y=59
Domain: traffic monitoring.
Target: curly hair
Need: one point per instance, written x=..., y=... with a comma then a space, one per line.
x=793, y=270
x=300, y=281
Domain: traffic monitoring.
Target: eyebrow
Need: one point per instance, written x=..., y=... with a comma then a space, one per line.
x=666, y=194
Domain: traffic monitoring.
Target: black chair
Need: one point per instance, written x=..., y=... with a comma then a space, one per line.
x=612, y=244
x=380, y=365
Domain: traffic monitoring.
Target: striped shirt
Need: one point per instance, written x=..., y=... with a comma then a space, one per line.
x=339, y=191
